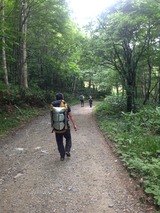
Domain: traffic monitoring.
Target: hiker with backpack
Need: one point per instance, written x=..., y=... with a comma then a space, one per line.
x=90, y=100
x=60, y=115
x=81, y=98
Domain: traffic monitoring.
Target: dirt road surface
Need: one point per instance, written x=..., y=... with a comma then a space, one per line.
x=92, y=180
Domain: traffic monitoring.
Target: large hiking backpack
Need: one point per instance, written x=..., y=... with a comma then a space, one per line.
x=59, y=117
x=81, y=97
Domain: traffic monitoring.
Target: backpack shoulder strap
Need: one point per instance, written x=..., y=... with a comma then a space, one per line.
x=63, y=104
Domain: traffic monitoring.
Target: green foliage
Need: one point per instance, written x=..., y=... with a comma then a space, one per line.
x=32, y=97
x=53, y=48
x=125, y=41
x=148, y=169
x=137, y=141
x=8, y=96
x=111, y=105
x=148, y=118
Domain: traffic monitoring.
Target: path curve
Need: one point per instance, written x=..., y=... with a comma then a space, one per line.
x=34, y=180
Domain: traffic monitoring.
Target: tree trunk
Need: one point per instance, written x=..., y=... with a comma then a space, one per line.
x=130, y=90
x=23, y=46
x=74, y=86
x=3, y=47
x=147, y=94
x=129, y=93
x=159, y=87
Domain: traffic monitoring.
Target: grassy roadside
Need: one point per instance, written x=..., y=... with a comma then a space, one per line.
x=15, y=116
x=137, y=140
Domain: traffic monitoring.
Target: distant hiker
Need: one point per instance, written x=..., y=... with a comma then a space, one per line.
x=60, y=115
x=81, y=98
x=90, y=100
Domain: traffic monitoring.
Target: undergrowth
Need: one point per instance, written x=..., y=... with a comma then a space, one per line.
x=15, y=116
x=137, y=139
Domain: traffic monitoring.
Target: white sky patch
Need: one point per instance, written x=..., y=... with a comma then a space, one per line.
x=85, y=10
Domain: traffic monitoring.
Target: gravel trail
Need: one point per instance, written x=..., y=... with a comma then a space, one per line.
x=92, y=180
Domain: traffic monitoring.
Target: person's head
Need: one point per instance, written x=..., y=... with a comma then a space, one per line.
x=59, y=96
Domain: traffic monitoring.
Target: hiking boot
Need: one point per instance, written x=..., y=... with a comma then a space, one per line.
x=61, y=158
x=68, y=154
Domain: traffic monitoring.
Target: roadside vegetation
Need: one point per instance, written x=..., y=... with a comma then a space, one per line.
x=15, y=111
x=16, y=116
x=136, y=137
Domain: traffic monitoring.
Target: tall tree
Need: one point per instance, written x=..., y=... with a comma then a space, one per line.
x=4, y=44
x=121, y=41
x=23, y=48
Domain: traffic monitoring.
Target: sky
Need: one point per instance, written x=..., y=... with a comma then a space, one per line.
x=85, y=10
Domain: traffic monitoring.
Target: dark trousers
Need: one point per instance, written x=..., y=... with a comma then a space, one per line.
x=82, y=103
x=60, y=144
x=90, y=103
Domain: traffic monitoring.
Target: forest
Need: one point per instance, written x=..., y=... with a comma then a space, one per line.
x=115, y=58
x=43, y=51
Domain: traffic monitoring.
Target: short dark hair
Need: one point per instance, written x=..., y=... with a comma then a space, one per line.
x=59, y=96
